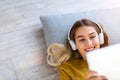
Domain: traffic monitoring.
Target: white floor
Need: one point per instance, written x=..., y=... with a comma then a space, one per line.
x=22, y=43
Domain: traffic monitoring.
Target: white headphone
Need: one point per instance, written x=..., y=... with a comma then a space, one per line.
x=101, y=36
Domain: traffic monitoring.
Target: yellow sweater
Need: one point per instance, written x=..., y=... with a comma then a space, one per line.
x=76, y=69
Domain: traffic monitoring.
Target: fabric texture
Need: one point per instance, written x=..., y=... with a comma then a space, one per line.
x=76, y=69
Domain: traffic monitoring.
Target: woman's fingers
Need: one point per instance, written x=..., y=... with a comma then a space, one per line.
x=98, y=77
x=92, y=75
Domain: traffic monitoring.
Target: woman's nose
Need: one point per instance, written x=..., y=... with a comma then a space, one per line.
x=89, y=42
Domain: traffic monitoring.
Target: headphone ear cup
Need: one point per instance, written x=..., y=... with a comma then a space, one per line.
x=72, y=44
x=101, y=36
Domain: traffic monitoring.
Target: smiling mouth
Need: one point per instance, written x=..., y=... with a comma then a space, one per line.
x=90, y=49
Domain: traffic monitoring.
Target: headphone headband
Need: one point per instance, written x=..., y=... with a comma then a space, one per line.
x=99, y=26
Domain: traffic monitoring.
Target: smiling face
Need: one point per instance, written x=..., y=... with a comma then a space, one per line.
x=86, y=39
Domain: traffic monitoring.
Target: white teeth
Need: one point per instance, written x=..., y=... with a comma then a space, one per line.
x=89, y=49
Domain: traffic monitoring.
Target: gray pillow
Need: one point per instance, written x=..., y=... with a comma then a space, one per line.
x=56, y=26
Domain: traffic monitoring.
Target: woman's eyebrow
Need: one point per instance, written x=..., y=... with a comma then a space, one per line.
x=83, y=36
x=80, y=36
x=91, y=33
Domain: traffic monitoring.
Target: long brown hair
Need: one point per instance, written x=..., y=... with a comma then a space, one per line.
x=59, y=53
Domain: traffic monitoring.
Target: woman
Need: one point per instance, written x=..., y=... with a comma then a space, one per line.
x=84, y=36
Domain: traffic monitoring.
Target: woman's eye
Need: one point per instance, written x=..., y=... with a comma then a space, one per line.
x=81, y=40
x=92, y=37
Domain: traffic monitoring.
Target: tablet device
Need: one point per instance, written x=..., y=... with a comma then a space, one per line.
x=106, y=61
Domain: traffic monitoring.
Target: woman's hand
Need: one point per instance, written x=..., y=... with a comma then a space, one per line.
x=92, y=75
